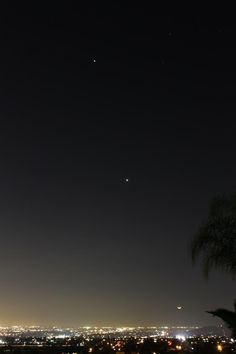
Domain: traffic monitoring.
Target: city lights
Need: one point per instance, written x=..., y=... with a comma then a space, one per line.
x=116, y=339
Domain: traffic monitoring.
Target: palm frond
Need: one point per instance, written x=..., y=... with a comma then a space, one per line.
x=215, y=241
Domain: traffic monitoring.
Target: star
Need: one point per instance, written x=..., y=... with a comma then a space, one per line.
x=126, y=179
x=94, y=60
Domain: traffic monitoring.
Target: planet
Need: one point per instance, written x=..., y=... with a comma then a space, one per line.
x=179, y=307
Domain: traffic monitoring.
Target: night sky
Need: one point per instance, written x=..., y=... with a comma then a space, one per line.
x=91, y=96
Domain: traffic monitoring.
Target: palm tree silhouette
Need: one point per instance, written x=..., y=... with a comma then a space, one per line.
x=215, y=245
x=229, y=317
x=215, y=241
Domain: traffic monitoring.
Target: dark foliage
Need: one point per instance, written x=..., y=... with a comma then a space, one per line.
x=215, y=241
x=229, y=318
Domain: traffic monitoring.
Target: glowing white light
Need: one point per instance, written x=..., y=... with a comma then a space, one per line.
x=181, y=337
x=61, y=336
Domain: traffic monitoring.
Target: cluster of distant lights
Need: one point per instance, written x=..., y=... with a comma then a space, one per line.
x=85, y=331
x=89, y=333
x=32, y=328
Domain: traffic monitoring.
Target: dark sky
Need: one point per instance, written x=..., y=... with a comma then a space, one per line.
x=79, y=246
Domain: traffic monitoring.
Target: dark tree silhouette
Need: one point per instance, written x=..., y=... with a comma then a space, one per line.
x=215, y=245
x=215, y=241
x=229, y=317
